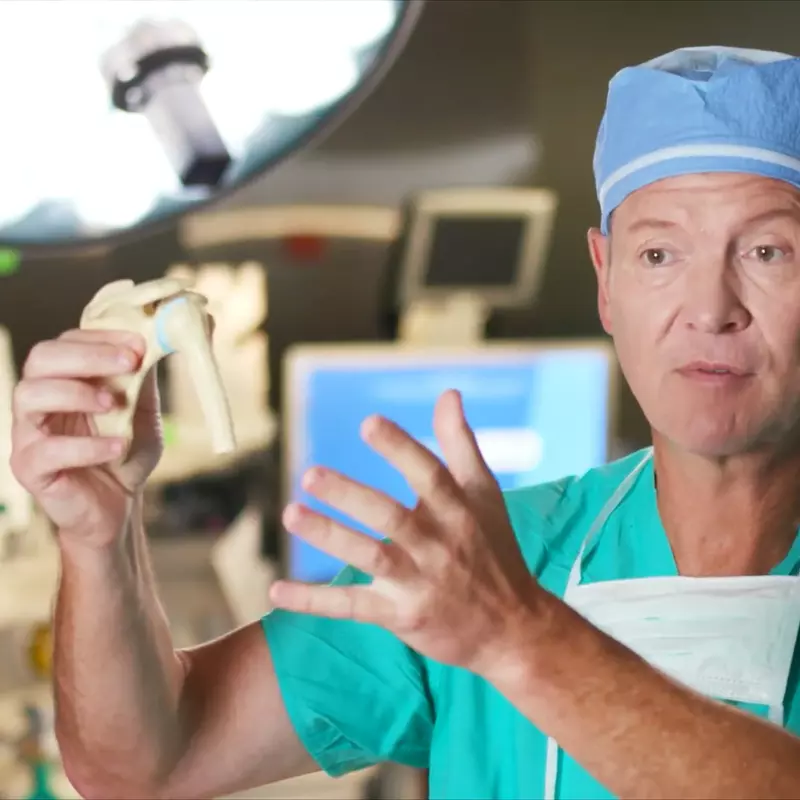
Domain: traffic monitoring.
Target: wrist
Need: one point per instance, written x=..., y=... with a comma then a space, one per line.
x=517, y=654
x=107, y=542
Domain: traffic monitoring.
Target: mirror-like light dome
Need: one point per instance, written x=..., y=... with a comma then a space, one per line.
x=117, y=113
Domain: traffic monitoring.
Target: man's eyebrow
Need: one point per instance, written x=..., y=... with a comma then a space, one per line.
x=792, y=214
x=650, y=223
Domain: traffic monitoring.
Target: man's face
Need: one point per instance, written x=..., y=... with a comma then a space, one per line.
x=699, y=285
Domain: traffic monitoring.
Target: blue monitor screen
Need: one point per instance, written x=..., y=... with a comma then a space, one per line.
x=539, y=414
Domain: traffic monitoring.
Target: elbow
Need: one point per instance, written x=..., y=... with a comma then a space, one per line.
x=93, y=789
x=81, y=775
x=90, y=790
x=93, y=782
x=84, y=776
x=84, y=780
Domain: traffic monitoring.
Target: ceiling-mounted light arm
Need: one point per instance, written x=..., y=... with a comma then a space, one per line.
x=156, y=70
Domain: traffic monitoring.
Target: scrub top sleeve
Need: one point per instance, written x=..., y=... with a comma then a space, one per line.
x=356, y=695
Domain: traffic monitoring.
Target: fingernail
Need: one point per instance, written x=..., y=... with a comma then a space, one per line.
x=276, y=591
x=370, y=426
x=117, y=446
x=291, y=514
x=313, y=476
x=105, y=398
x=126, y=360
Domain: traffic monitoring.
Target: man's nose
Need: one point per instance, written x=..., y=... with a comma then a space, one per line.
x=713, y=302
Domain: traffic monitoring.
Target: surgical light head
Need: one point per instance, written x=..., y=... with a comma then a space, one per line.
x=149, y=110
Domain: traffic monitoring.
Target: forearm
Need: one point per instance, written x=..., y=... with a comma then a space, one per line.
x=117, y=678
x=639, y=733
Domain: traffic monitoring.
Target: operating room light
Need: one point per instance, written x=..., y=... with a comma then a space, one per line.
x=117, y=113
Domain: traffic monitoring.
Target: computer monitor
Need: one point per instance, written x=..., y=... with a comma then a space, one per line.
x=540, y=411
x=490, y=243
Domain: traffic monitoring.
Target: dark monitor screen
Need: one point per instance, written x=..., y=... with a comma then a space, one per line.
x=475, y=251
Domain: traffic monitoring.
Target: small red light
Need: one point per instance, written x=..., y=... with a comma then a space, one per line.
x=304, y=248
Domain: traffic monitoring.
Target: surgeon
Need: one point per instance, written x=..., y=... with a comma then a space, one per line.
x=628, y=632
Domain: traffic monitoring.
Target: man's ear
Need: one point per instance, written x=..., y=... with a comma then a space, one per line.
x=600, y=253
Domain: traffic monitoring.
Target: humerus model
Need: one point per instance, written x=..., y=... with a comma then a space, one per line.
x=171, y=318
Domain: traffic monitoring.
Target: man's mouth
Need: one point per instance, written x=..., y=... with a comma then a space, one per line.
x=712, y=369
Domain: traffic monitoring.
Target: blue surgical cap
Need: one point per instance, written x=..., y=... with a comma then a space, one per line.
x=699, y=109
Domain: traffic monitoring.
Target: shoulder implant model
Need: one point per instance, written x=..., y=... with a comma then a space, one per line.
x=172, y=319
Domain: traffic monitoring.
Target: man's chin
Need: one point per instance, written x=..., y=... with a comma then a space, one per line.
x=713, y=440
x=717, y=444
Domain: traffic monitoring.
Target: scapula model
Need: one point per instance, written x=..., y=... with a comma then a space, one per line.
x=172, y=319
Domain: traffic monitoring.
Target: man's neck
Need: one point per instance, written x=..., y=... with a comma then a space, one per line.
x=737, y=517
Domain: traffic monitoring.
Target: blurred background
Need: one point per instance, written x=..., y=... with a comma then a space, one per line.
x=366, y=239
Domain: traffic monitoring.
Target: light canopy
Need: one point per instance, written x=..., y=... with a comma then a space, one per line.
x=126, y=112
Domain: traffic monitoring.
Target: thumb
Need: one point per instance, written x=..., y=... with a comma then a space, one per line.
x=148, y=434
x=458, y=442
x=149, y=402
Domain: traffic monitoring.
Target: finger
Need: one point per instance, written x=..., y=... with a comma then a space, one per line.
x=60, y=395
x=68, y=358
x=37, y=464
x=118, y=338
x=34, y=400
x=427, y=476
x=379, y=558
x=359, y=602
x=458, y=443
x=366, y=505
x=122, y=338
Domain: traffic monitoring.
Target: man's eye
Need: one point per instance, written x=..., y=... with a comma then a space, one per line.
x=655, y=256
x=767, y=253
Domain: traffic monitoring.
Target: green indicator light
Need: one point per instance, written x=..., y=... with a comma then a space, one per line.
x=9, y=261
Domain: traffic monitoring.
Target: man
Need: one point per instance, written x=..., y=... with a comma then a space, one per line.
x=629, y=632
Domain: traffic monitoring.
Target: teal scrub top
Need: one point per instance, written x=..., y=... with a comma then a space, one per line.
x=357, y=696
